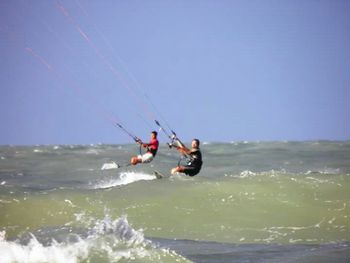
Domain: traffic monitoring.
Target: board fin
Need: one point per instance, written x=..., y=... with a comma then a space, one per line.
x=159, y=175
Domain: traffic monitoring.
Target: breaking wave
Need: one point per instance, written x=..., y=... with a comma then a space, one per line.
x=107, y=240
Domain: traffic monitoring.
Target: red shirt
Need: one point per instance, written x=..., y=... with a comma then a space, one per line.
x=152, y=146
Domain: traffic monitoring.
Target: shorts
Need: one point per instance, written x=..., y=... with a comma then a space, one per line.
x=145, y=158
x=190, y=170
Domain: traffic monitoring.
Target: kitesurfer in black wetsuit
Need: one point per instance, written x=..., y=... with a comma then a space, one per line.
x=194, y=156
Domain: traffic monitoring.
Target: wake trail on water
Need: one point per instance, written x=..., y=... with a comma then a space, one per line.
x=124, y=178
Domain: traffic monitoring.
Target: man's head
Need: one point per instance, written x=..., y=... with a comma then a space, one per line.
x=154, y=134
x=195, y=143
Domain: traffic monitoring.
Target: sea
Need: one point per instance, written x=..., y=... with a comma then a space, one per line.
x=279, y=201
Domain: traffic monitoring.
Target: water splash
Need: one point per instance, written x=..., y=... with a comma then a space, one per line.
x=124, y=179
x=107, y=240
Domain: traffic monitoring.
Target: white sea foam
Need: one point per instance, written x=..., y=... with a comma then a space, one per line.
x=247, y=173
x=112, y=240
x=324, y=171
x=69, y=202
x=92, y=151
x=34, y=251
x=124, y=179
x=109, y=166
x=243, y=174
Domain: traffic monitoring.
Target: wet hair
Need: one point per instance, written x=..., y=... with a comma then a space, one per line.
x=155, y=133
x=197, y=141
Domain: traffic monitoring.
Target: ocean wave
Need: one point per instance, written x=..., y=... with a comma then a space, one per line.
x=324, y=171
x=92, y=151
x=107, y=240
x=38, y=151
x=113, y=239
x=273, y=173
x=249, y=174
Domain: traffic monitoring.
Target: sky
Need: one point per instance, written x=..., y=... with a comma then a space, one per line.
x=216, y=70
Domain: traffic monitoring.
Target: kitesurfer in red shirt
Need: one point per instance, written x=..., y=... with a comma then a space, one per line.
x=152, y=148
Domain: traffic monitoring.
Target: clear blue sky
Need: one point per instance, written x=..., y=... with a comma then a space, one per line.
x=215, y=70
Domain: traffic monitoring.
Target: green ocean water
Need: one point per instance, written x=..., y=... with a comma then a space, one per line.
x=255, y=196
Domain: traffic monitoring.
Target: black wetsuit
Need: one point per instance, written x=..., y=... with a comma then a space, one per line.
x=194, y=163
